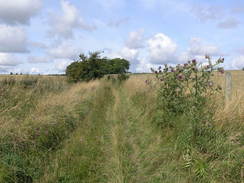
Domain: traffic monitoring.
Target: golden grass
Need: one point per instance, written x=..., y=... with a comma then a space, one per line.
x=132, y=148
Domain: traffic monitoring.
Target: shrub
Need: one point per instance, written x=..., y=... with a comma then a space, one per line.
x=94, y=66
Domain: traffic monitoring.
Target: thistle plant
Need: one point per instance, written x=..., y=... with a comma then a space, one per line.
x=186, y=88
x=187, y=85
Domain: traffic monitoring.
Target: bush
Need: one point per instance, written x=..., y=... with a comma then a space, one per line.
x=94, y=66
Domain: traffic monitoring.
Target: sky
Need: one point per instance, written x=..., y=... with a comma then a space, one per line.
x=44, y=36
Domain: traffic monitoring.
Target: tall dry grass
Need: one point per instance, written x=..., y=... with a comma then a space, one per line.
x=101, y=131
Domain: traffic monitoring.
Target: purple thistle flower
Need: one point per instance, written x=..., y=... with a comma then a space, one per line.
x=194, y=69
x=207, y=57
x=180, y=77
x=220, y=60
x=221, y=70
x=194, y=61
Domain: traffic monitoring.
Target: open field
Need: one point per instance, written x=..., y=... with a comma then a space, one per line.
x=55, y=132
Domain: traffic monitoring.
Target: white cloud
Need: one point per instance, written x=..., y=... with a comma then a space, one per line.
x=64, y=50
x=129, y=54
x=144, y=66
x=12, y=39
x=229, y=23
x=161, y=49
x=34, y=70
x=199, y=48
x=8, y=60
x=111, y=4
x=118, y=22
x=206, y=13
x=61, y=64
x=18, y=11
x=64, y=25
x=135, y=40
x=149, y=3
x=39, y=59
x=238, y=62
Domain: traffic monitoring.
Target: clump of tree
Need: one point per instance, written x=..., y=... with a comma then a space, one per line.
x=95, y=66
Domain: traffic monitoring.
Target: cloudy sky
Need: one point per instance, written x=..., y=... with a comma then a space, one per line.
x=43, y=36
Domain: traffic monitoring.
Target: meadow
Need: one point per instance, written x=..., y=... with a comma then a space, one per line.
x=52, y=131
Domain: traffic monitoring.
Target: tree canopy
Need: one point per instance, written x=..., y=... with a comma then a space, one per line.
x=94, y=66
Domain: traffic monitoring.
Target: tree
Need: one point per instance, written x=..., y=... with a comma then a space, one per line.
x=94, y=66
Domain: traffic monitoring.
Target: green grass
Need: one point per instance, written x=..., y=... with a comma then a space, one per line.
x=54, y=132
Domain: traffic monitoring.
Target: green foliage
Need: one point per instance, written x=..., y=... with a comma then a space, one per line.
x=186, y=88
x=94, y=66
x=185, y=107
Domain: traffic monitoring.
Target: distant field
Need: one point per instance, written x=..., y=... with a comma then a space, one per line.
x=53, y=131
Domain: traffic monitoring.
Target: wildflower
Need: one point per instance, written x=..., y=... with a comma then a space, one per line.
x=220, y=60
x=194, y=61
x=194, y=69
x=207, y=67
x=207, y=57
x=159, y=68
x=180, y=77
x=210, y=83
x=221, y=70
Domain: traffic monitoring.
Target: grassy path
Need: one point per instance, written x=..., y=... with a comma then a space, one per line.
x=118, y=143
x=135, y=151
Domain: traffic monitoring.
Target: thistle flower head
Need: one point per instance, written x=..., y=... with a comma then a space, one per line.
x=207, y=57
x=221, y=70
x=180, y=77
